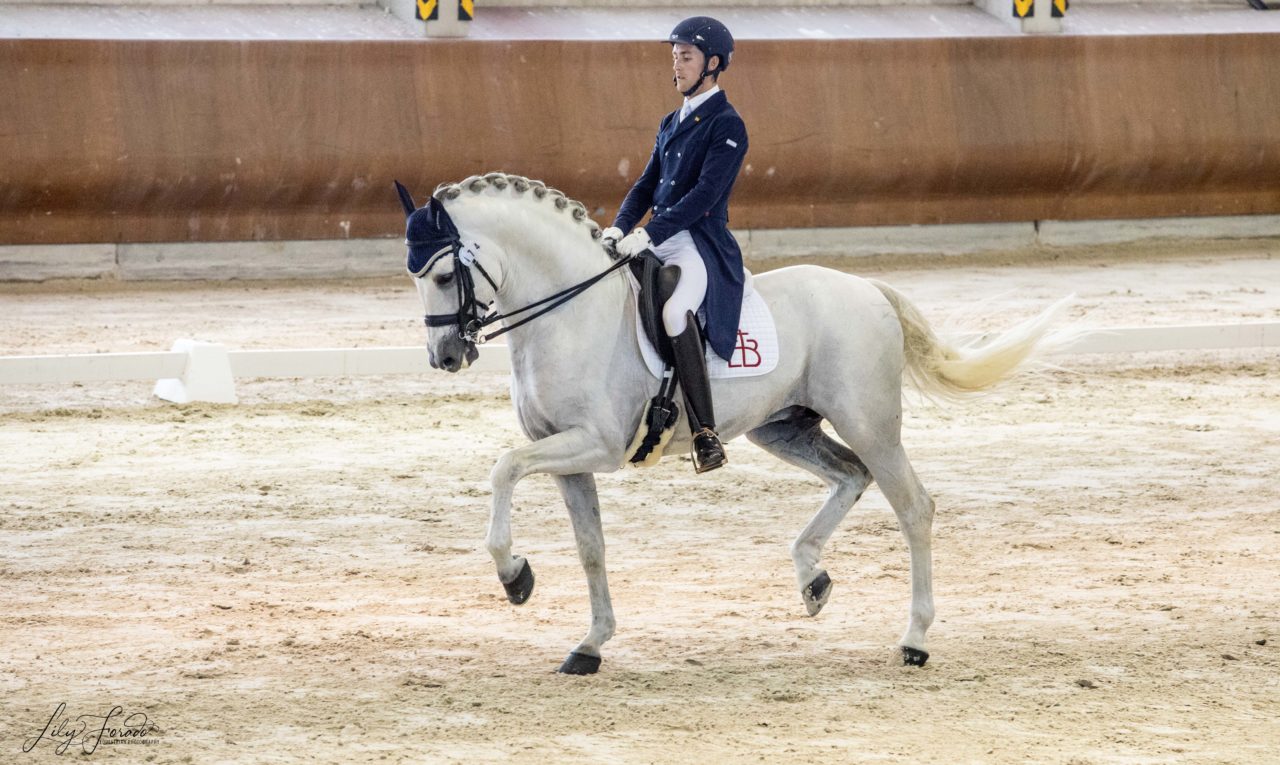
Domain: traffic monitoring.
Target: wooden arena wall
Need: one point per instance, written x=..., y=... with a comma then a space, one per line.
x=164, y=141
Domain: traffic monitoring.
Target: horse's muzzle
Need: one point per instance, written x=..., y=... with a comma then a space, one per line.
x=453, y=356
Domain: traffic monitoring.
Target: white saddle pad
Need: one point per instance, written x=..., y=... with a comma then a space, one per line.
x=754, y=353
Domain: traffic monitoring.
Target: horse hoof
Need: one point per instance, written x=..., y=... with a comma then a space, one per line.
x=580, y=664
x=914, y=657
x=520, y=588
x=816, y=593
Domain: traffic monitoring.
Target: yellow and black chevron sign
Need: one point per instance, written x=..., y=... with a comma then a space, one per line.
x=429, y=10
x=1025, y=8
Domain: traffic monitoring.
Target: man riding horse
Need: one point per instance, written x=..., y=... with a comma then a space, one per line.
x=687, y=184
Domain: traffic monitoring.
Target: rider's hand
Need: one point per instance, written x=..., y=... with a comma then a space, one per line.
x=635, y=243
x=610, y=236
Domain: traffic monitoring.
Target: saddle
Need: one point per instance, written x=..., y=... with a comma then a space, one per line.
x=657, y=423
x=657, y=284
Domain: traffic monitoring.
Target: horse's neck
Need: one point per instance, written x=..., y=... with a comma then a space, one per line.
x=543, y=251
x=587, y=325
x=582, y=329
x=543, y=256
x=532, y=276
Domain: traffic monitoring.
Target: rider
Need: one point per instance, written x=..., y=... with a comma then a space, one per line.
x=687, y=184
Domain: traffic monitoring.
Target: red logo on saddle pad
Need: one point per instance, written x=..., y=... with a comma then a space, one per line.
x=746, y=354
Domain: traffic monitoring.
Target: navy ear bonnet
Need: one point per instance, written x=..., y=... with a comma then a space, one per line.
x=429, y=233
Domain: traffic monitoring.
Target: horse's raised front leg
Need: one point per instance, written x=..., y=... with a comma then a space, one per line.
x=798, y=440
x=579, y=493
x=568, y=452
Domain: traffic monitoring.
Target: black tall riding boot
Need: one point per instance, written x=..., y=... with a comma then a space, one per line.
x=691, y=367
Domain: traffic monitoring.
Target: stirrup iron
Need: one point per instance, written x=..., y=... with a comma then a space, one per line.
x=708, y=452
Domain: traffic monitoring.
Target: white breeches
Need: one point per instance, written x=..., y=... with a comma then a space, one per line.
x=691, y=290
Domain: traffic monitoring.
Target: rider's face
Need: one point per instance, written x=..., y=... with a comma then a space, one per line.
x=687, y=63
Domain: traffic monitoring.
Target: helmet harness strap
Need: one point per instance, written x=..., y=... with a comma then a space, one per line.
x=694, y=89
x=701, y=78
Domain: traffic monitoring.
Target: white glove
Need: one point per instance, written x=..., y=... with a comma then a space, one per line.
x=610, y=236
x=635, y=243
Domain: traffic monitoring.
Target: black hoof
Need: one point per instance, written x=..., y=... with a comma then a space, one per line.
x=520, y=588
x=580, y=664
x=816, y=593
x=913, y=657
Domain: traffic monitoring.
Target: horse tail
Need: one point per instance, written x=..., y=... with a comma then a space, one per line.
x=941, y=370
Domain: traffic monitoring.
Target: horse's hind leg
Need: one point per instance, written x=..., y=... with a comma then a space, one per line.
x=797, y=438
x=913, y=506
x=579, y=493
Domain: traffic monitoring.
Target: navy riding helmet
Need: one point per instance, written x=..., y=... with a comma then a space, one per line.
x=709, y=36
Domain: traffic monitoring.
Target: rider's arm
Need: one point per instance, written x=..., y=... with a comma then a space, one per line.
x=719, y=170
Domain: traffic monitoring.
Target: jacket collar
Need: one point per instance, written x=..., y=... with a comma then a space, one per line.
x=708, y=108
x=701, y=99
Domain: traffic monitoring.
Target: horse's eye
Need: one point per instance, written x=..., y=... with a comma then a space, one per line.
x=444, y=279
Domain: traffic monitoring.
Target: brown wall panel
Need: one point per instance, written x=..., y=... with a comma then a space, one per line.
x=135, y=140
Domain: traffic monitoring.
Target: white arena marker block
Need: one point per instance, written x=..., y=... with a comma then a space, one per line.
x=207, y=376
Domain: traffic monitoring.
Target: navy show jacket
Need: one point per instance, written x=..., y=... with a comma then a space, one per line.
x=687, y=184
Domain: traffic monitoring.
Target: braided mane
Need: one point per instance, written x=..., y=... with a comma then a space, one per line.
x=537, y=191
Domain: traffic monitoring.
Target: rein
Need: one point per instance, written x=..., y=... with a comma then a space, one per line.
x=468, y=317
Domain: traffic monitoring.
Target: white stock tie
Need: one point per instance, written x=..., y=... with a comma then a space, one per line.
x=684, y=111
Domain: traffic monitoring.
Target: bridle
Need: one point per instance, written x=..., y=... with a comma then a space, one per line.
x=470, y=318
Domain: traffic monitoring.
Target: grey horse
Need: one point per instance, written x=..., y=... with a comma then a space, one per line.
x=579, y=383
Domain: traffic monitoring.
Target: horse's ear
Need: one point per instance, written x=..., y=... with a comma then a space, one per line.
x=406, y=199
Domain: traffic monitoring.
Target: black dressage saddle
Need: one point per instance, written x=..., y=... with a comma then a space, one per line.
x=657, y=284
